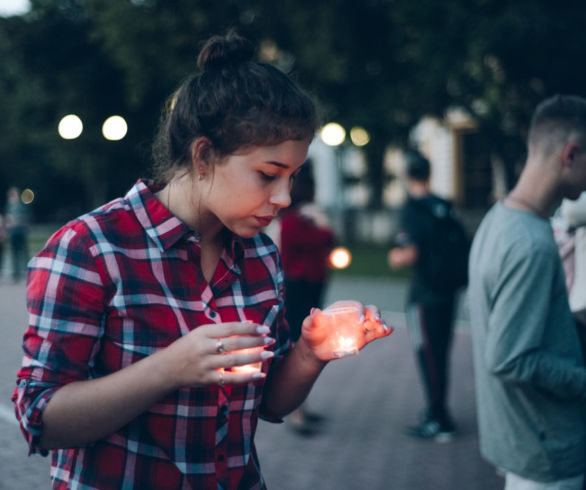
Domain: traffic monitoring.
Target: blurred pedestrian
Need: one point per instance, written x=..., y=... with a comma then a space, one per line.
x=573, y=215
x=134, y=373
x=3, y=235
x=432, y=241
x=17, y=217
x=530, y=376
x=306, y=240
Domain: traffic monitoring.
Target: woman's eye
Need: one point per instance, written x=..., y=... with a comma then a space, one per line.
x=267, y=177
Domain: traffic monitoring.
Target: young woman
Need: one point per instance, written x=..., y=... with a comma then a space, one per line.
x=140, y=311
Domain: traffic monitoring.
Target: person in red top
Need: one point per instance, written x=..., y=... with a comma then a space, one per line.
x=306, y=241
x=140, y=311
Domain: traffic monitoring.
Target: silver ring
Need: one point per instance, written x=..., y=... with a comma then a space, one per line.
x=221, y=381
x=220, y=349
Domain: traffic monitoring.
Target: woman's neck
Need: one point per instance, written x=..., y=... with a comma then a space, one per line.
x=181, y=197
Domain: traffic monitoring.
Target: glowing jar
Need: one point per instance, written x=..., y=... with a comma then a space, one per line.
x=344, y=324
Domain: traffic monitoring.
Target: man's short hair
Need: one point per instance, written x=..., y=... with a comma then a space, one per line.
x=417, y=166
x=555, y=120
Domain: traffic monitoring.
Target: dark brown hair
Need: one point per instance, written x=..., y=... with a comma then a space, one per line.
x=234, y=102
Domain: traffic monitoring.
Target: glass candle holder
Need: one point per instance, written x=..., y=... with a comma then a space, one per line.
x=344, y=324
x=253, y=367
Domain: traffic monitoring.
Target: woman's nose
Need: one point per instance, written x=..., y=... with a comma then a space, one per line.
x=282, y=195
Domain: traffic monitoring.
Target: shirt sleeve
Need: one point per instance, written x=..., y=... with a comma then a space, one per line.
x=410, y=230
x=65, y=301
x=280, y=333
x=514, y=345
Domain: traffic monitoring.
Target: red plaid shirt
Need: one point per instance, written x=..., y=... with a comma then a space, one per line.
x=116, y=285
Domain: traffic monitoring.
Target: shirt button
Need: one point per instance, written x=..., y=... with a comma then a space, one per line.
x=213, y=314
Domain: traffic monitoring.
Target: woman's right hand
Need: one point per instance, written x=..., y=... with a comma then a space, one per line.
x=203, y=356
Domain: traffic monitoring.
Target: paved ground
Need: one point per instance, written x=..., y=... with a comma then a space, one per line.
x=365, y=401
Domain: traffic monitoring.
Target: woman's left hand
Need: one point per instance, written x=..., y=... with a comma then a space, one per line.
x=342, y=329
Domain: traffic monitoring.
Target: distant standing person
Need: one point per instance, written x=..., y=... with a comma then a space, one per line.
x=306, y=240
x=530, y=376
x=17, y=222
x=305, y=243
x=434, y=243
x=2, y=241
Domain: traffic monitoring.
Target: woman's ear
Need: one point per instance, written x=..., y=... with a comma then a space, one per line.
x=202, y=157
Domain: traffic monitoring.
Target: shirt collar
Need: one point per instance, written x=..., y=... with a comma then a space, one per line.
x=163, y=227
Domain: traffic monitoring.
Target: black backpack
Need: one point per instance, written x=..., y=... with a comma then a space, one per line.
x=446, y=263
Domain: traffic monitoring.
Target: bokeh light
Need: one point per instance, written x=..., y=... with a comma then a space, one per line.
x=27, y=196
x=114, y=128
x=340, y=258
x=70, y=127
x=359, y=136
x=333, y=134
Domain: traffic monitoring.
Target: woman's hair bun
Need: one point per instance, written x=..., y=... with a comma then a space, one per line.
x=222, y=51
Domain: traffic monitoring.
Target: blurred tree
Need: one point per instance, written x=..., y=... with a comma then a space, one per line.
x=379, y=64
x=497, y=60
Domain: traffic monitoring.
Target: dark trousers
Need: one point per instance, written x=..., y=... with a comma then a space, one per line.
x=300, y=297
x=19, y=246
x=431, y=330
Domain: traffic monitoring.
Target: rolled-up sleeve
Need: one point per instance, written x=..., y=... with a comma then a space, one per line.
x=65, y=301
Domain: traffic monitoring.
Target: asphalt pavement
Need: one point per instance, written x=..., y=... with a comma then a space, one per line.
x=363, y=403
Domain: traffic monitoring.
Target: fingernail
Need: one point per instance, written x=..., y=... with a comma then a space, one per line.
x=269, y=340
x=266, y=354
x=263, y=329
x=259, y=375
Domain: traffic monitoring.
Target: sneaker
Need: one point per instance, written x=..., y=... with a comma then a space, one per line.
x=433, y=430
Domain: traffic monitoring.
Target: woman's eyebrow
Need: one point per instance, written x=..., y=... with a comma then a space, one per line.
x=278, y=164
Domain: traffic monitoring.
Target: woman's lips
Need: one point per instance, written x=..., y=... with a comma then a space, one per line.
x=264, y=220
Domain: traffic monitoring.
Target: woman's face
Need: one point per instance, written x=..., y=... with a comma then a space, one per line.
x=249, y=187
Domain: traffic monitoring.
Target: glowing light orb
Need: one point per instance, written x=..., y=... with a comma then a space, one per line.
x=27, y=196
x=340, y=258
x=114, y=128
x=332, y=134
x=359, y=136
x=70, y=127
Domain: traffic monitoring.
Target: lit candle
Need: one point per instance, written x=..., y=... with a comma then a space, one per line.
x=253, y=367
x=344, y=323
